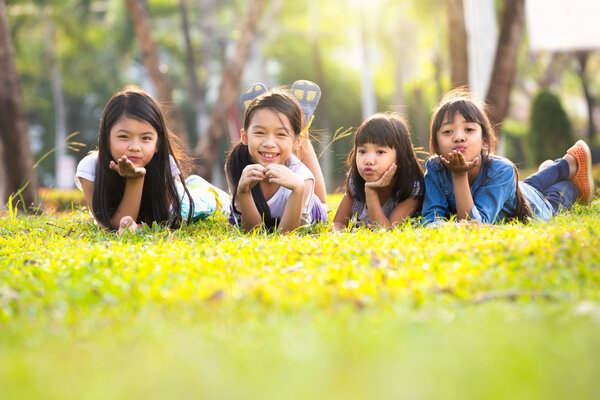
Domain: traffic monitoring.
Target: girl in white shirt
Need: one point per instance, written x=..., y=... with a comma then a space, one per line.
x=135, y=177
x=268, y=183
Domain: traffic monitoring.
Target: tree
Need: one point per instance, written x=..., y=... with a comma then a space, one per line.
x=14, y=126
x=550, y=131
x=457, y=35
x=196, y=90
x=582, y=59
x=138, y=12
x=505, y=62
x=228, y=91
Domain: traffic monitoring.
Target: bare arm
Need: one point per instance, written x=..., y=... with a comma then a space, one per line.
x=307, y=155
x=403, y=210
x=292, y=212
x=134, y=186
x=130, y=202
x=250, y=216
x=343, y=214
x=459, y=168
x=376, y=214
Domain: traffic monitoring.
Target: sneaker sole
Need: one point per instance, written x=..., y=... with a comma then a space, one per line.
x=590, y=178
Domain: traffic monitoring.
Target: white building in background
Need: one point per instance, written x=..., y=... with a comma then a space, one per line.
x=482, y=33
x=558, y=25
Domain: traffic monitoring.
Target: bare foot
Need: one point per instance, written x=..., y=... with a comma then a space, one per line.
x=127, y=224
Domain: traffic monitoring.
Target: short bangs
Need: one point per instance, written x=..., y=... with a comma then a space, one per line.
x=466, y=108
x=379, y=131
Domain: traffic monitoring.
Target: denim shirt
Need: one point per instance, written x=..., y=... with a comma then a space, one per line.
x=493, y=202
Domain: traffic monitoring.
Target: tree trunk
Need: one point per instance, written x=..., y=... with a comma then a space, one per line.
x=208, y=144
x=141, y=21
x=457, y=34
x=582, y=58
x=326, y=158
x=196, y=91
x=14, y=126
x=505, y=62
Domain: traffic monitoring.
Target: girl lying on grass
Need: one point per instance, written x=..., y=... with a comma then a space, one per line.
x=134, y=177
x=385, y=182
x=272, y=187
x=465, y=178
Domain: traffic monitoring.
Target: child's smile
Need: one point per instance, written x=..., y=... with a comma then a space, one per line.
x=270, y=137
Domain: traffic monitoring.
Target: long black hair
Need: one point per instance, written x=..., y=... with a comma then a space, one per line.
x=459, y=100
x=389, y=130
x=160, y=202
x=239, y=157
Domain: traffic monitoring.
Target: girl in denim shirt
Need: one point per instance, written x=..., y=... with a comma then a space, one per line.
x=465, y=179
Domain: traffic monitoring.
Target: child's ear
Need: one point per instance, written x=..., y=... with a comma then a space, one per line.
x=243, y=137
x=298, y=140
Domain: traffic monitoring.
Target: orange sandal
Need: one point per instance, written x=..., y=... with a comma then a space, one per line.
x=583, y=179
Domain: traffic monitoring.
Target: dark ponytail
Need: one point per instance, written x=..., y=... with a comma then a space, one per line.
x=523, y=212
x=237, y=159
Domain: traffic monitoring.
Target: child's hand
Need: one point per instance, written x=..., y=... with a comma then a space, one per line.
x=126, y=168
x=251, y=175
x=385, y=179
x=283, y=176
x=456, y=162
x=127, y=224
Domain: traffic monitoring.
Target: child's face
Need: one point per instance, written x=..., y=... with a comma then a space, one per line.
x=135, y=139
x=372, y=160
x=458, y=134
x=270, y=138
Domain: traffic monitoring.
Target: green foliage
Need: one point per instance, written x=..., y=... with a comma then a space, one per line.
x=550, y=131
x=516, y=146
x=459, y=311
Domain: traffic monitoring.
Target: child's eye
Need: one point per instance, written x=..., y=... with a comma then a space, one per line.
x=122, y=136
x=361, y=151
x=380, y=152
x=447, y=132
x=258, y=133
x=282, y=134
x=147, y=138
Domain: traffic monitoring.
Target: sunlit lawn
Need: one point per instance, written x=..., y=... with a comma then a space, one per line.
x=459, y=311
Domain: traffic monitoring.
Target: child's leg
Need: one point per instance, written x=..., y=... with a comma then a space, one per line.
x=561, y=196
x=307, y=155
x=542, y=180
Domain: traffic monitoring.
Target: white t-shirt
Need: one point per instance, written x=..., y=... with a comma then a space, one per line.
x=86, y=168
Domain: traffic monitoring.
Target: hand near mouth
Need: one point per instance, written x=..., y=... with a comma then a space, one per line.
x=456, y=163
x=251, y=175
x=385, y=180
x=283, y=176
x=126, y=168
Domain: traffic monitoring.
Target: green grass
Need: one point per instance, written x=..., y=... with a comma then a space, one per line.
x=459, y=311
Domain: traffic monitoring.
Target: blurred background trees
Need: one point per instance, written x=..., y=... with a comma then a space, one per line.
x=196, y=56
